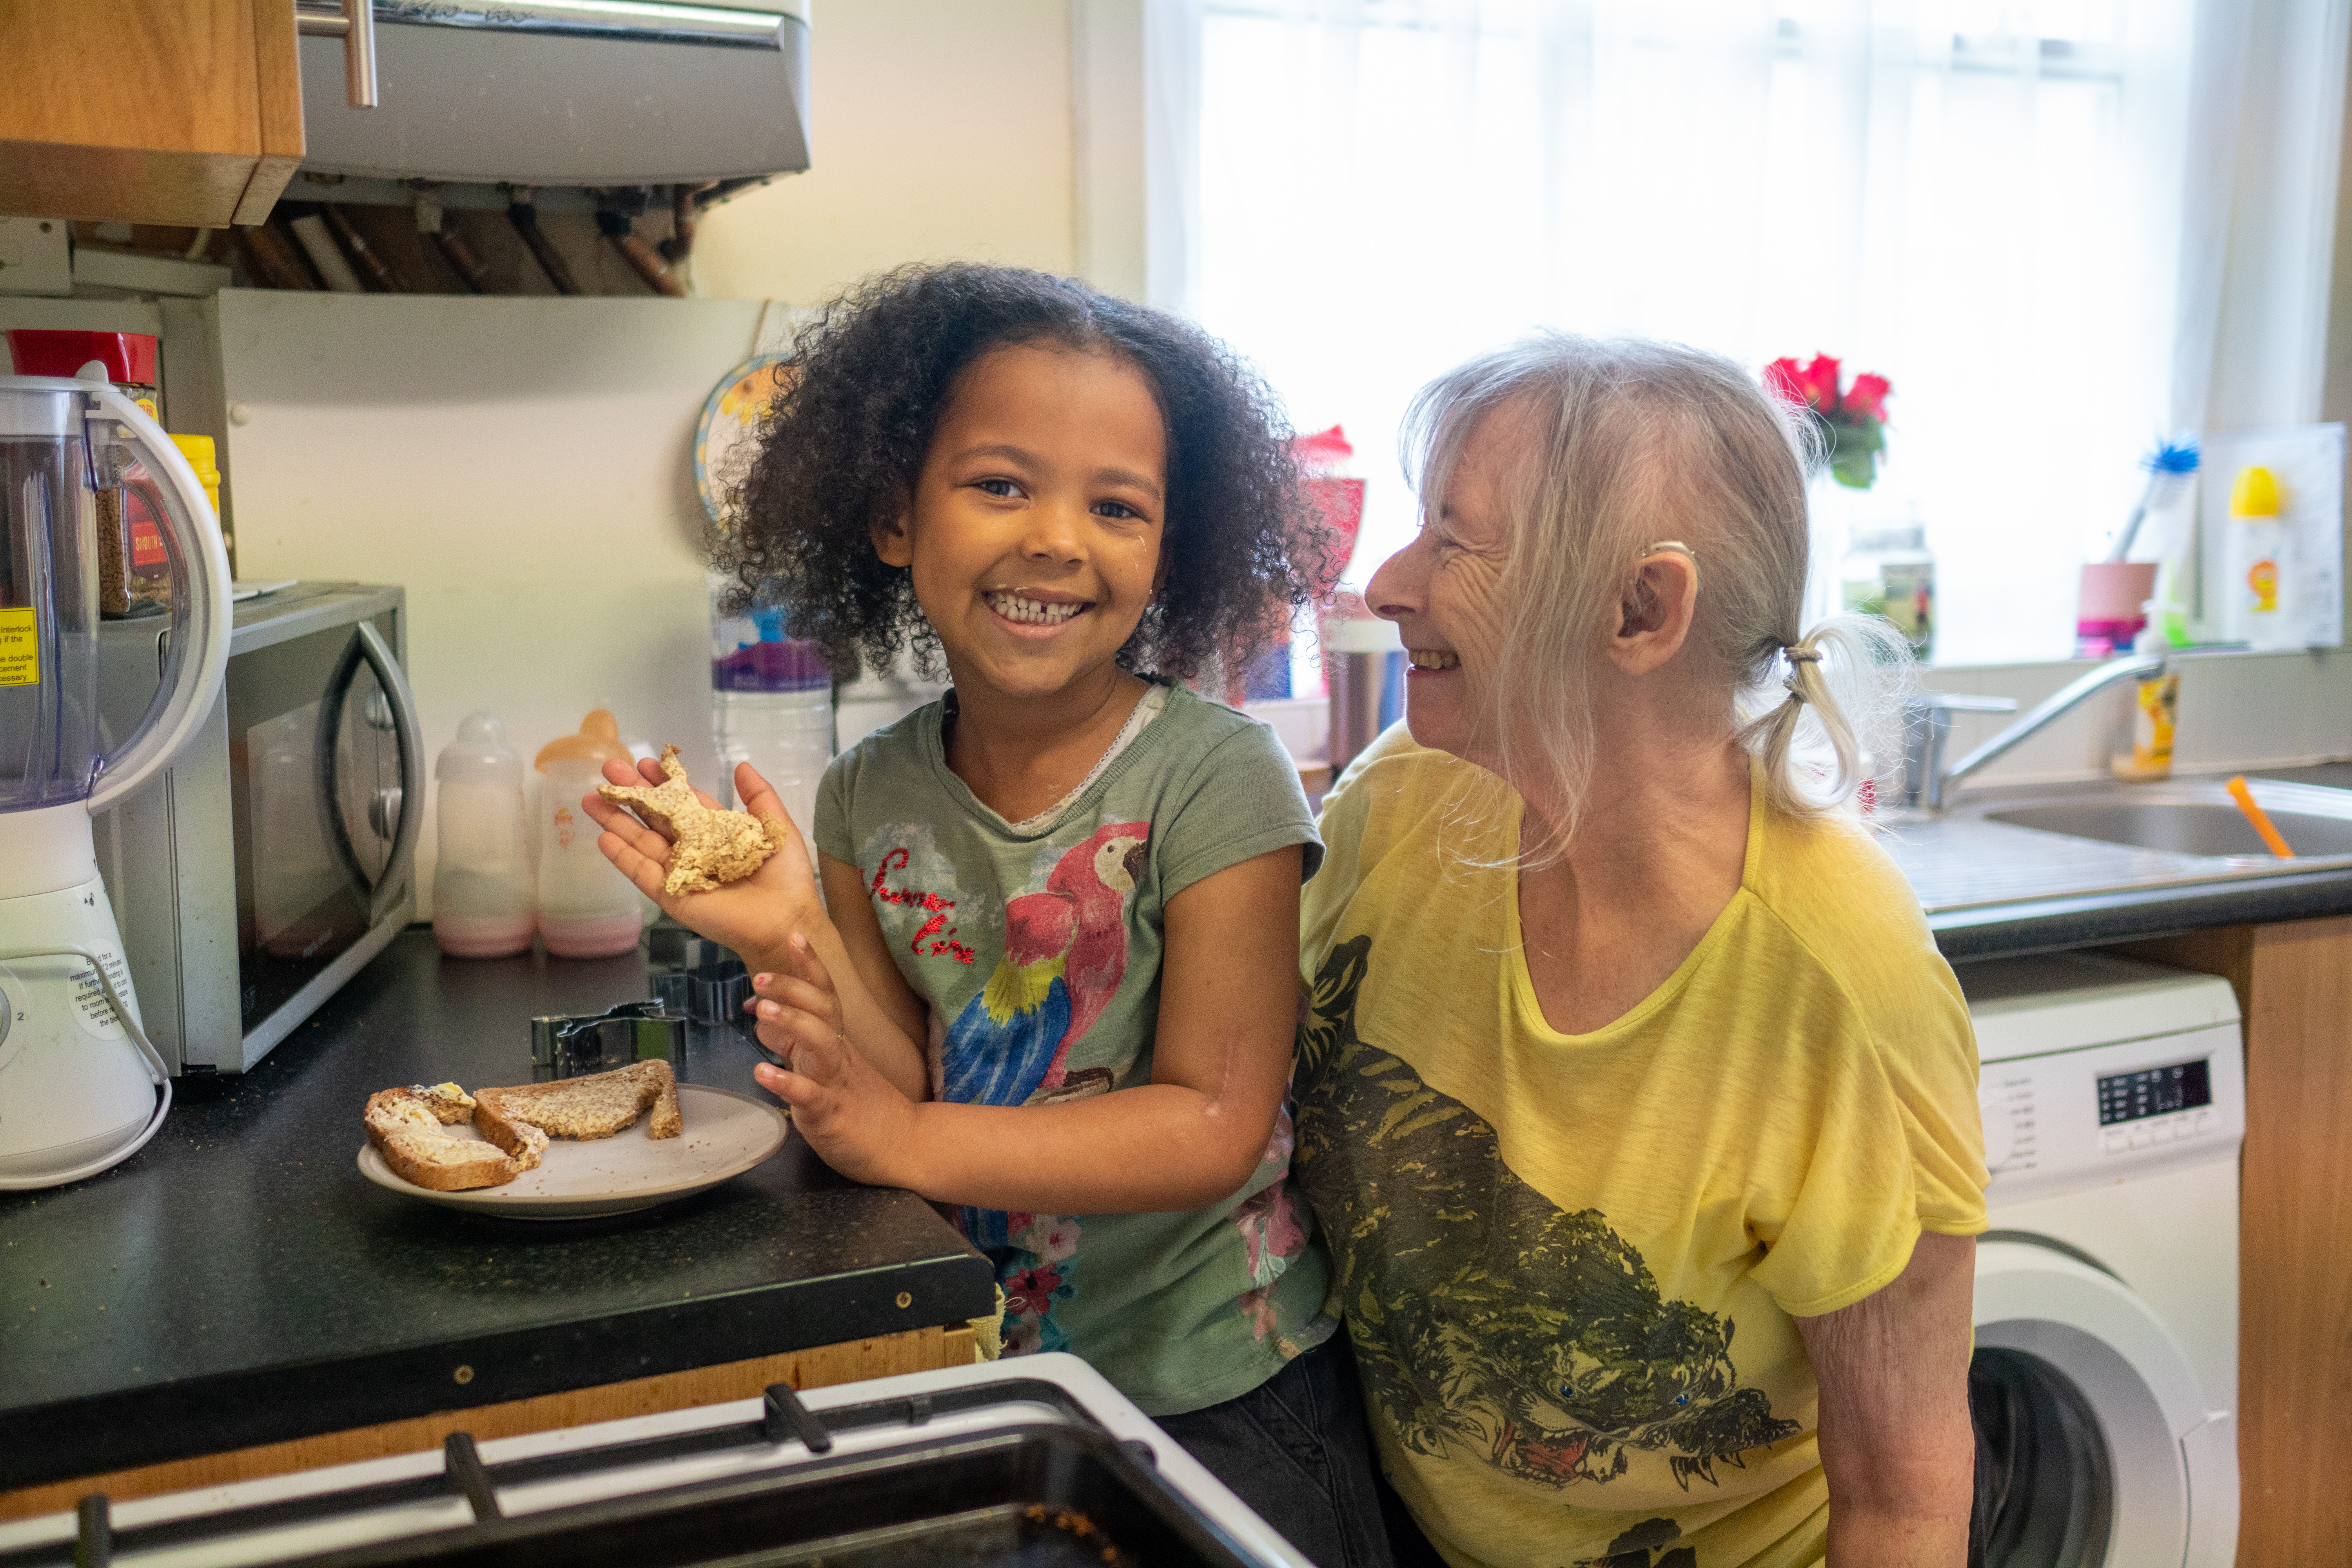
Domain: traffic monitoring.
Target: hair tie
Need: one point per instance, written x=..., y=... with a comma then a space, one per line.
x=1796, y=654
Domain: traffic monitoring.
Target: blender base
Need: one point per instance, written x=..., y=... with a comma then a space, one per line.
x=80, y=1087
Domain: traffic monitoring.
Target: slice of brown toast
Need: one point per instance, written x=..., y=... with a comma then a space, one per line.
x=596, y=1106
x=404, y=1125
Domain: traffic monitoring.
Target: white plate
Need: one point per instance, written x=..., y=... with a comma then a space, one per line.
x=726, y=1134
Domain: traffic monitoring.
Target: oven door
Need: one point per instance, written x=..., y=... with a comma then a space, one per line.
x=326, y=786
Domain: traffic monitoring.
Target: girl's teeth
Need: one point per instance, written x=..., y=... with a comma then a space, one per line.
x=1031, y=612
x=1431, y=658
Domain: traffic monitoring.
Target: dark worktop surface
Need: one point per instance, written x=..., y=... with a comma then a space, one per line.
x=2044, y=925
x=238, y=1281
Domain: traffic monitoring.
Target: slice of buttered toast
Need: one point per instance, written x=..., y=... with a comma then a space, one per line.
x=596, y=1106
x=404, y=1125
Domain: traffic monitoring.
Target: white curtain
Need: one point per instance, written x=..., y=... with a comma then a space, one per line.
x=2017, y=212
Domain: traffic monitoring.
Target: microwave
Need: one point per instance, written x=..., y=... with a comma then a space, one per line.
x=277, y=856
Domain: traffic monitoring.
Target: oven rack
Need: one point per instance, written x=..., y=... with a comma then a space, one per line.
x=463, y=1473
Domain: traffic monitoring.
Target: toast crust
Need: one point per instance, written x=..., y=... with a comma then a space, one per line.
x=596, y=1106
x=404, y=1125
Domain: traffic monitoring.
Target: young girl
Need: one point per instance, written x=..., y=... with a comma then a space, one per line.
x=1055, y=988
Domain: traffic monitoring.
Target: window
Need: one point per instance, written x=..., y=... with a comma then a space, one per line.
x=2015, y=212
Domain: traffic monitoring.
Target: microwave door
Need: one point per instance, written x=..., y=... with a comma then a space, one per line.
x=370, y=763
x=307, y=888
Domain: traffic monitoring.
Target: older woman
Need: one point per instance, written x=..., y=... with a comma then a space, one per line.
x=1637, y=1104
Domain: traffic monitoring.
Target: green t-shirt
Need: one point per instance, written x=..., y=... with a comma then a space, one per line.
x=1038, y=948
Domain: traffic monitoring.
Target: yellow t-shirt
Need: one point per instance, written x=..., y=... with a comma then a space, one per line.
x=1571, y=1263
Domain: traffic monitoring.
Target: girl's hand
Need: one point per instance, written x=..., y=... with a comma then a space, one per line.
x=754, y=916
x=851, y=1115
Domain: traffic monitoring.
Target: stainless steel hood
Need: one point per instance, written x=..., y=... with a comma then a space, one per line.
x=566, y=92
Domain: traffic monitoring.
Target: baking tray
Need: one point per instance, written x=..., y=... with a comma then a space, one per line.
x=1025, y=1495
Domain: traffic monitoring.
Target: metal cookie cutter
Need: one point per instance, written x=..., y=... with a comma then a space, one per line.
x=701, y=979
x=569, y=1045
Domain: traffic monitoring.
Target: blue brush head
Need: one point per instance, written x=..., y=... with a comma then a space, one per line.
x=2172, y=456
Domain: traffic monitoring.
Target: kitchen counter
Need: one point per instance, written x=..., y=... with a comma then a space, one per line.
x=1991, y=888
x=238, y=1282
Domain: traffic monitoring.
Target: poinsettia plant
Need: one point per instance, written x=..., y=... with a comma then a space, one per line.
x=1855, y=418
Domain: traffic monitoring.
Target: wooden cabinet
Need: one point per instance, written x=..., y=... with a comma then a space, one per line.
x=918, y=1350
x=2294, y=1242
x=165, y=111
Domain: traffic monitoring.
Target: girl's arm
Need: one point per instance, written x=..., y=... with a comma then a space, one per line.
x=758, y=915
x=893, y=1035
x=1220, y=1060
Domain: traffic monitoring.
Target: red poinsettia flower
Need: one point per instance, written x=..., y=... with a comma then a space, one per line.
x=1820, y=381
x=1866, y=398
x=1784, y=378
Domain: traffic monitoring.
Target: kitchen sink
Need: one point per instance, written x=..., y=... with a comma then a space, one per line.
x=2085, y=841
x=2197, y=819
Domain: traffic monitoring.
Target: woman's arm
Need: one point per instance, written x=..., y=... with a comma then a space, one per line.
x=1896, y=1444
x=1220, y=1062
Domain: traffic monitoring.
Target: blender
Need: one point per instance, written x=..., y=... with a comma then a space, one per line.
x=80, y=1087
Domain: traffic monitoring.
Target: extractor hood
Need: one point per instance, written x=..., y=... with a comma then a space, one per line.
x=564, y=92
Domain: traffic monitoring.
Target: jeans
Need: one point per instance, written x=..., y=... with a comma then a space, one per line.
x=1295, y=1449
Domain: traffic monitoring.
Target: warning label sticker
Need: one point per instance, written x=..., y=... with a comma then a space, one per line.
x=20, y=648
x=89, y=996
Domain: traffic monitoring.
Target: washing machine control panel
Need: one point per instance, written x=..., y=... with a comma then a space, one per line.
x=2069, y=1120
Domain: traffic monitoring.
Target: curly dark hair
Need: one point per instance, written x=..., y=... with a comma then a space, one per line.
x=844, y=440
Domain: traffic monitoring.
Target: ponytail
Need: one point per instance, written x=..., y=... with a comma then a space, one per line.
x=1840, y=721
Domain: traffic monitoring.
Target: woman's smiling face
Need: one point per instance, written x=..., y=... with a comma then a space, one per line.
x=1447, y=591
x=1034, y=531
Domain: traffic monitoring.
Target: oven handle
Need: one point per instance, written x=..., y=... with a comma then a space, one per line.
x=371, y=646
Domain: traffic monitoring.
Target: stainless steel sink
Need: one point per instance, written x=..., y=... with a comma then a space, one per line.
x=2075, y=841
x=2214, y=828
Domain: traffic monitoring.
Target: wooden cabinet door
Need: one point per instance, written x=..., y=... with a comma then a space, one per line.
x=165, y=111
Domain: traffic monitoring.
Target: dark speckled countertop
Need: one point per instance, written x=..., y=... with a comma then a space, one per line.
x=238, y=1281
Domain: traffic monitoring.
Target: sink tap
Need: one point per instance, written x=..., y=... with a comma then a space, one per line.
x=1940, y=781
x=1928, y=725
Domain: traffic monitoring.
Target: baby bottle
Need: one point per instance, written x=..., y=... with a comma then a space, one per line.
x=586, y=908
x=481, y=883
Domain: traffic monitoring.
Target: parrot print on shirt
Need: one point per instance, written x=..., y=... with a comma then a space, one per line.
x=1065, y=956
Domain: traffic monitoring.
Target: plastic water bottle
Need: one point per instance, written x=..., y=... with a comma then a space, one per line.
x=772, y=706
x=483, y=903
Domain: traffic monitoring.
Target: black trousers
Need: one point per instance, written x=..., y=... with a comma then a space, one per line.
x=1297, y=1451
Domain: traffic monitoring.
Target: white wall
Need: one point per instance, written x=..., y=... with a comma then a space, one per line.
x=523, y=467
x=943, y=129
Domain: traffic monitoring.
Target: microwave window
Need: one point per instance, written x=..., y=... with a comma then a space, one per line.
x=297, y=885
x=313, y=810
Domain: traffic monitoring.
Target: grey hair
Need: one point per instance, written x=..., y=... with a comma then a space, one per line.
x=1643, y=442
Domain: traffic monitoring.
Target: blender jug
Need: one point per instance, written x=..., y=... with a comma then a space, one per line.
x=80, y=1087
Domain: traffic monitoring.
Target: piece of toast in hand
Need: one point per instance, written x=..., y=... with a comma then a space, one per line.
x=596, y=1106
x=707, y=846
x=404, y=1125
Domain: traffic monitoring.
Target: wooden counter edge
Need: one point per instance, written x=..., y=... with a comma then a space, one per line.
x=918, y=1350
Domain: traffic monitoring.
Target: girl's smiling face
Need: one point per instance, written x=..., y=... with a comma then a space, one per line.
x=1034, y=531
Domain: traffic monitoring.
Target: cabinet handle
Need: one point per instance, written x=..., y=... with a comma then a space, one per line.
x=353, y=21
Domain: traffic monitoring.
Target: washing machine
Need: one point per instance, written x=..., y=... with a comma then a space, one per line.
x=2106, y=1373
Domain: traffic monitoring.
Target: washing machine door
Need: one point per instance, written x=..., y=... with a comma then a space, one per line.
x=2094, y=1436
